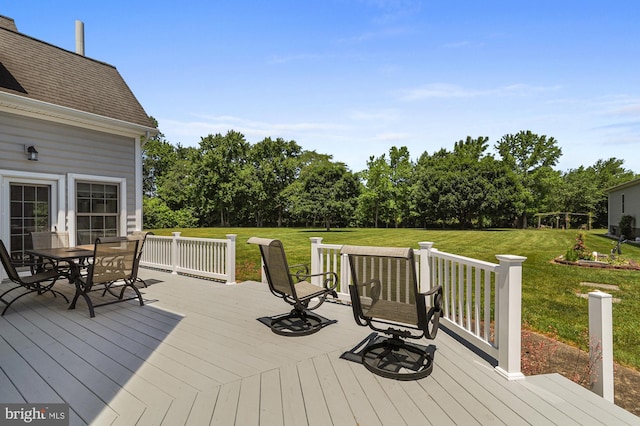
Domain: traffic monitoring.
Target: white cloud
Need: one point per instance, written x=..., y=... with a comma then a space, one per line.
x=437, y=90
x=189, y=132
x=375, y=35
x=451, y=91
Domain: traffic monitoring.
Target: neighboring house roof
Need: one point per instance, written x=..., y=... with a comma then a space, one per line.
x=625, y=185
x=42, y=72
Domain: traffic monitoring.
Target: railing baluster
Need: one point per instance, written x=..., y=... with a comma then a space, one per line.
x=469, y=285
x=207, y=257
x=478, y=300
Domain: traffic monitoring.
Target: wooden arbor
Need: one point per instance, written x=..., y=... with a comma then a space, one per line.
x=563, y=219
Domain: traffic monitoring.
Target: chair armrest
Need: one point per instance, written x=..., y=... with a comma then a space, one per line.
x=302, y=270
x=429, y=321
x=356, y=304
x=330, y=276
x=436, y=289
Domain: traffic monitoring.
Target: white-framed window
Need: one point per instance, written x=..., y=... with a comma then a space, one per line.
x=100, y=207
x=97, y=211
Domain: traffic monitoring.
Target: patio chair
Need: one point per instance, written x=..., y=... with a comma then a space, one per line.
x=53, y=239
x=46, y=240
x=141, y=237
x=113, y=261
x=38, y=283
x=294, y=289
x=386, y=298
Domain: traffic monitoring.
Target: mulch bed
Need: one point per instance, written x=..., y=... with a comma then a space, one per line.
x=632, y=266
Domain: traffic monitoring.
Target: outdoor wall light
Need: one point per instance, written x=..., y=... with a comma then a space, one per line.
x=32, y=153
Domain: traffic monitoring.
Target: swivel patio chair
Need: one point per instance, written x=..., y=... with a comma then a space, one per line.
x=38, y=283
x=386, y=298
x=294, y=289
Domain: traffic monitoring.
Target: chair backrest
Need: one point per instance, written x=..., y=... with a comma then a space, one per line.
x=113, y=260
x=276, y=267
x=111, y=239
x=46, y=239
x=141, y=237
x=393, y=298
x=12, y=273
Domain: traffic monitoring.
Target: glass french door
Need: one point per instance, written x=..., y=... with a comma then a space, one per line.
x=30, y=211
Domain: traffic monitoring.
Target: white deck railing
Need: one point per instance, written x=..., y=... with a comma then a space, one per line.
x=482, y=300
x=205, y=257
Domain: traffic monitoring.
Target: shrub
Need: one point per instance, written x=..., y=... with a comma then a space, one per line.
x=571, y=255
x=157, y=215
x=579, y=250
x=626, y=226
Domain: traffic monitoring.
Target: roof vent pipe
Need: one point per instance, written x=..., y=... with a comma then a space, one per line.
x=80, y=38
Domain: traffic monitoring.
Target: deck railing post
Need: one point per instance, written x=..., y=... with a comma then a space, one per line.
x=316, y=260
x=230, y=267
x=175, y=253
x=509, y=315
x=345, y=275
x=424, y=275
x=601, y=344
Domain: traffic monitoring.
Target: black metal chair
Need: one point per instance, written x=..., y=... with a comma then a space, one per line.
x=113, y=262
x=294, y=289
x=38, y=283
x=385, y=297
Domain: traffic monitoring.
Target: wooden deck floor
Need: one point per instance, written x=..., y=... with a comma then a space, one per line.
x=196, y=355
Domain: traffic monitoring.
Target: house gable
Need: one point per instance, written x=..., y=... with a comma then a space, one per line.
x=40, y=72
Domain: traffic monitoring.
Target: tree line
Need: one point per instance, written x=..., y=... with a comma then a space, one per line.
x=227, y=181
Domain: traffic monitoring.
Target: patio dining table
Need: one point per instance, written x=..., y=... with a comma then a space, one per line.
x=75, y=257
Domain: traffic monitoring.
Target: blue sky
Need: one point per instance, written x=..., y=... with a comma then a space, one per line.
x=352, y=78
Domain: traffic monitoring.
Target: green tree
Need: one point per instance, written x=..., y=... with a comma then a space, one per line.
x=387, y=191
x=177, y=186
x=325, y=192
x=375, y=197
x=219, y=178
x=465, y=187
x=501, y=191
x=158, y=156
x=531, y=157
x=167, y=184
x=580, y=192
x=401, y=172
x=276, y=165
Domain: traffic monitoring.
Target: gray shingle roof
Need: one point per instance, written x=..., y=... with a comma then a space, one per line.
x=41, y=71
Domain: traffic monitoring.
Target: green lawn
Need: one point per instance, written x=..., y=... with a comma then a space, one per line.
x=549, y=290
